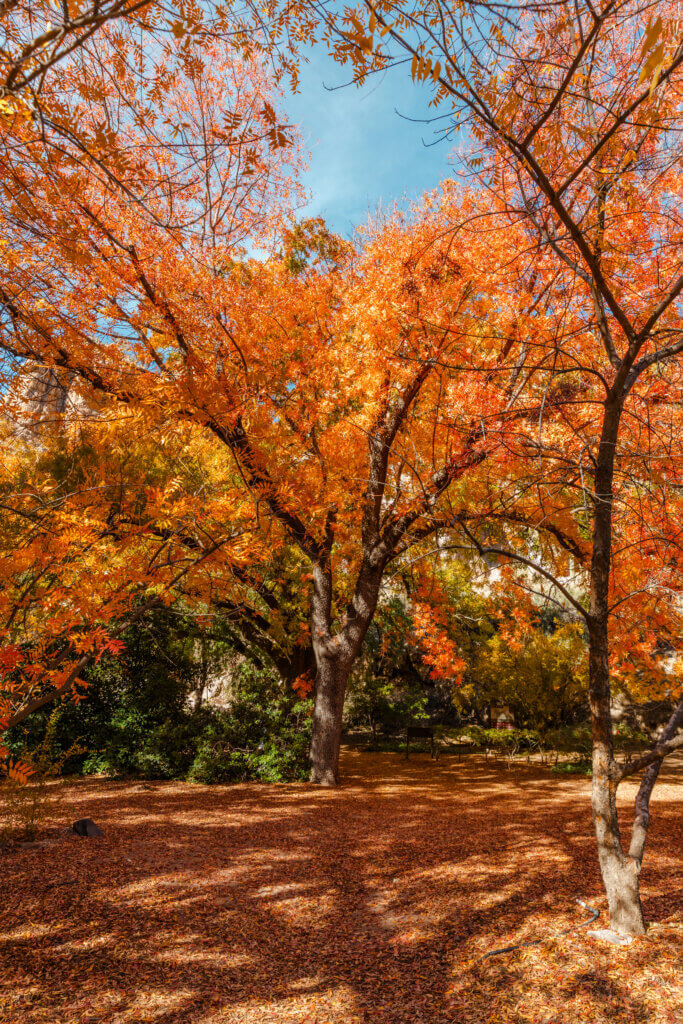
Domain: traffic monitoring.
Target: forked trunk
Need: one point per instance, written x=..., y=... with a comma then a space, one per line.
x=327, y=721
x=620, y=875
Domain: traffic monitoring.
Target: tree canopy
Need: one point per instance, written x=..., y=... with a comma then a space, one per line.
x=208, y=401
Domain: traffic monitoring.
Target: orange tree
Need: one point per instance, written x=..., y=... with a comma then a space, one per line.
x=340, y=386
x=103, y=128
x=101, y=520
x=573, y=111
x=39, y=36
x=103, y=517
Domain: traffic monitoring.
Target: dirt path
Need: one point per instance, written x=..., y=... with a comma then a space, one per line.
x=368, y=904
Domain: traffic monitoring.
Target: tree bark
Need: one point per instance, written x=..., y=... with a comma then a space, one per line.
x=620, y=873
x=331, y=681
x=300, y=661
x=335, y=655
x=621, y=876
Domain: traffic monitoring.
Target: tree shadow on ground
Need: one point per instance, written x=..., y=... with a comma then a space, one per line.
x=370, y=903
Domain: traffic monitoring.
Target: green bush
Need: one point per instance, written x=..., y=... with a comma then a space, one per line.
x=575, y=738
x=138, y=719
x=628, y=737
x=503, y=740
x=129, y=704
x=385, y=691
x=136, y=746
x=255, y=739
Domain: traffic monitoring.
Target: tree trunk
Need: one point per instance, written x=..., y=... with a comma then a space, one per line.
x=335, y=656
x=620, y=873
x=330, y=682
x=327, y=720
x=300, y=661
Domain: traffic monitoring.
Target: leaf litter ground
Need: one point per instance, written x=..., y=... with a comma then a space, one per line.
x=294, y=905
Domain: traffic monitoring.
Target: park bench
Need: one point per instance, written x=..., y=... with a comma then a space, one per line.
x=419, y=732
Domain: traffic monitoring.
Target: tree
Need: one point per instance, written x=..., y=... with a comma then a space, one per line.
x=486, y=643
x=576, y=112
x=82, y=493
x=32, y=47
x=39, y=37
x=157, y=305
x=103, y=145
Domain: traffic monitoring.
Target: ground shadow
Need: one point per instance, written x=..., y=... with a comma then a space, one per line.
x=371, y=903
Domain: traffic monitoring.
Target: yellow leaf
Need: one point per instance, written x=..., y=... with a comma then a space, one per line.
x=655, y=58
x=655, y=77
x=652, y=34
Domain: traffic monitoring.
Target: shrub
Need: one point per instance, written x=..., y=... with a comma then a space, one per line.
x=28, y=805
x=628, y=737
x=136, y=745
x=574, y=738
x=130, y=700
x=138, y=718
x=266, y=741
x=505, y=741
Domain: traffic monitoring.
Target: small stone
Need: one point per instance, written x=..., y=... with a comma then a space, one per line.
x=614, y=938
x=87, y=827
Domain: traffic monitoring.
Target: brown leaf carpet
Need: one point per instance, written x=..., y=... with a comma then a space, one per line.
x=289, y=904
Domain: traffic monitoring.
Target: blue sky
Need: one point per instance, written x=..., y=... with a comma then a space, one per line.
x=363, y=154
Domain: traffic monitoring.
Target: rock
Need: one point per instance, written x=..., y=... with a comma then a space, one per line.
x=87, y=827
x=607, y=935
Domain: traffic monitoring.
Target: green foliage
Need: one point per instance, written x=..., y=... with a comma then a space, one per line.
x=134, y=704
x=383, y=705
x=503, y=740
x=386, y=691
x=629, y=737
x=141, y=717
x=264, y=735
x=136, y=746
x=572, y=738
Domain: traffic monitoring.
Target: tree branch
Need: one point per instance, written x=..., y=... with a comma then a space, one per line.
x=660, y=751
x=642, y=804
